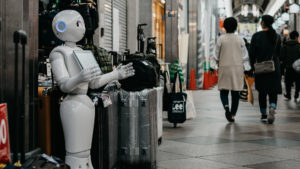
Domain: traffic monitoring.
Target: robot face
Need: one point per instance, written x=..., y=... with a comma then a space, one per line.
x=68, y=25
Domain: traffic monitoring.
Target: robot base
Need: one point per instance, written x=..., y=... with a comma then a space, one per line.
x=79, y=163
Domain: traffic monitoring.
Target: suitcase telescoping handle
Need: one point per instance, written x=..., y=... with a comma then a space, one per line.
x=115, y=59
x=19, y=36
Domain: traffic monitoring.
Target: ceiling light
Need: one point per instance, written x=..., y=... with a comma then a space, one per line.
x=275, y=26
x=285, y=16
x=255, y=10
x=245, y=10
x=280, y=21
x=274, y=7
x=294, y=8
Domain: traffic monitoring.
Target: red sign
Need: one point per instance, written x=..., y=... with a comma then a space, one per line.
x=4, y=136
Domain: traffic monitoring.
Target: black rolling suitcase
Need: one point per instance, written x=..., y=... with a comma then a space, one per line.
x=177, y=104
x=104, y=150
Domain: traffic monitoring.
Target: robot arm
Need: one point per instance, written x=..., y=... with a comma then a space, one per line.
x=66, y=83
x=122, y=72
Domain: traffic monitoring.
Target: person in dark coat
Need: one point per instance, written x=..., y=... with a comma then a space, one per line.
x=289, y=54
x=265, y=45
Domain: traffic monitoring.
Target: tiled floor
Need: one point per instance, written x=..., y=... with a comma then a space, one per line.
x=210, y=142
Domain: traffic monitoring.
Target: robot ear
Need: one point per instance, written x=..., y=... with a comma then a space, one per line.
x=61, y=26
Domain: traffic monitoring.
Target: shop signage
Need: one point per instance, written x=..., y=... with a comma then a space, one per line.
x=4, y=136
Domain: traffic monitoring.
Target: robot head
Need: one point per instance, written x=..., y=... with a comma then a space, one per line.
x=68, y=25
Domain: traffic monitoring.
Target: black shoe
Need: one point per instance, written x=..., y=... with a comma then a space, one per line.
x=264, y=118
x=288, y=98
x=228, y=116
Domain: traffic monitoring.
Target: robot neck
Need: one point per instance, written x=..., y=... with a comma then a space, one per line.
x=70, y=44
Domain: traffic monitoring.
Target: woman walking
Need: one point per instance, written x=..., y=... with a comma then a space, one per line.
x=265, y=45
x=232, y=60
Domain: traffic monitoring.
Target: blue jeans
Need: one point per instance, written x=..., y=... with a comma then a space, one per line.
x=262, y=98
x=235, y=98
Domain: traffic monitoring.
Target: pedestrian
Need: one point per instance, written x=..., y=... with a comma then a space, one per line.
x=265, y=45
x=289, y=54
x=232, y=59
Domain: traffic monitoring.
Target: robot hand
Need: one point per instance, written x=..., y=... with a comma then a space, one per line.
x=87, y=75
x=125, y=71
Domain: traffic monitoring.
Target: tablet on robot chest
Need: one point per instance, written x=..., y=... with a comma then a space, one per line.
x=85, y=59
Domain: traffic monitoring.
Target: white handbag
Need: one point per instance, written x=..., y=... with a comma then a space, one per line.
x=296, y=66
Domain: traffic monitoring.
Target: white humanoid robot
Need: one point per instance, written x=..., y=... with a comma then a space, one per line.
x=77, y=111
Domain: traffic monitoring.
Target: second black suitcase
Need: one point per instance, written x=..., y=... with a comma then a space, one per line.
x=104, y=150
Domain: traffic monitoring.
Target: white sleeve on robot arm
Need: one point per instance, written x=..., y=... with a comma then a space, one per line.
x=103, y=80
x=66, y=83
x=121, y=72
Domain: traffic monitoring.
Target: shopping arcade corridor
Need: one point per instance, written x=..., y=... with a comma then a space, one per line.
x=209, y=141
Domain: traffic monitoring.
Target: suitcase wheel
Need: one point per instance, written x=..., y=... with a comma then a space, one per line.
x=175, y=125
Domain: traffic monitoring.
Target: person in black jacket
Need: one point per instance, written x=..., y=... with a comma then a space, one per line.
x=266, y=45
x=289, y=54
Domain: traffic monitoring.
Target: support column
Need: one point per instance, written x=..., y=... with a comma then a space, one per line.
x=132, y=23
x=145, y=16
x=192, y=55
x=98, y=41
x=171, y=49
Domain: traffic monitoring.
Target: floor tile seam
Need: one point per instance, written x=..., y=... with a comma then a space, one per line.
x=243, y=151
x=253, y=153
x=247, y=142
x=183, y=159
x=160, y=167
x=202, y=136
x=235, y=165
x=276, y=138
x=246, y=165
x=177, y=154
x=267, y=162
x=199, y=145
x=279, y=146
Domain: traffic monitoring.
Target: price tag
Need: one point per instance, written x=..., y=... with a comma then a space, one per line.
x=106, y=100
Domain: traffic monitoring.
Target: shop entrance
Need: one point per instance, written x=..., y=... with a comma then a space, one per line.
x=158, y=27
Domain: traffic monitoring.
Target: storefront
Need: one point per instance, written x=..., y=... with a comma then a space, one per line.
x=203, y=29
x=115, y=25
x=18, y=77
x=158, y=27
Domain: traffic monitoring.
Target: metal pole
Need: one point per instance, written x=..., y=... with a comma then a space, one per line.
x=295, y=22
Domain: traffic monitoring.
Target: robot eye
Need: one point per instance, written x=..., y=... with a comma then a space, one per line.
x=77, y=23
x=61, y=26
